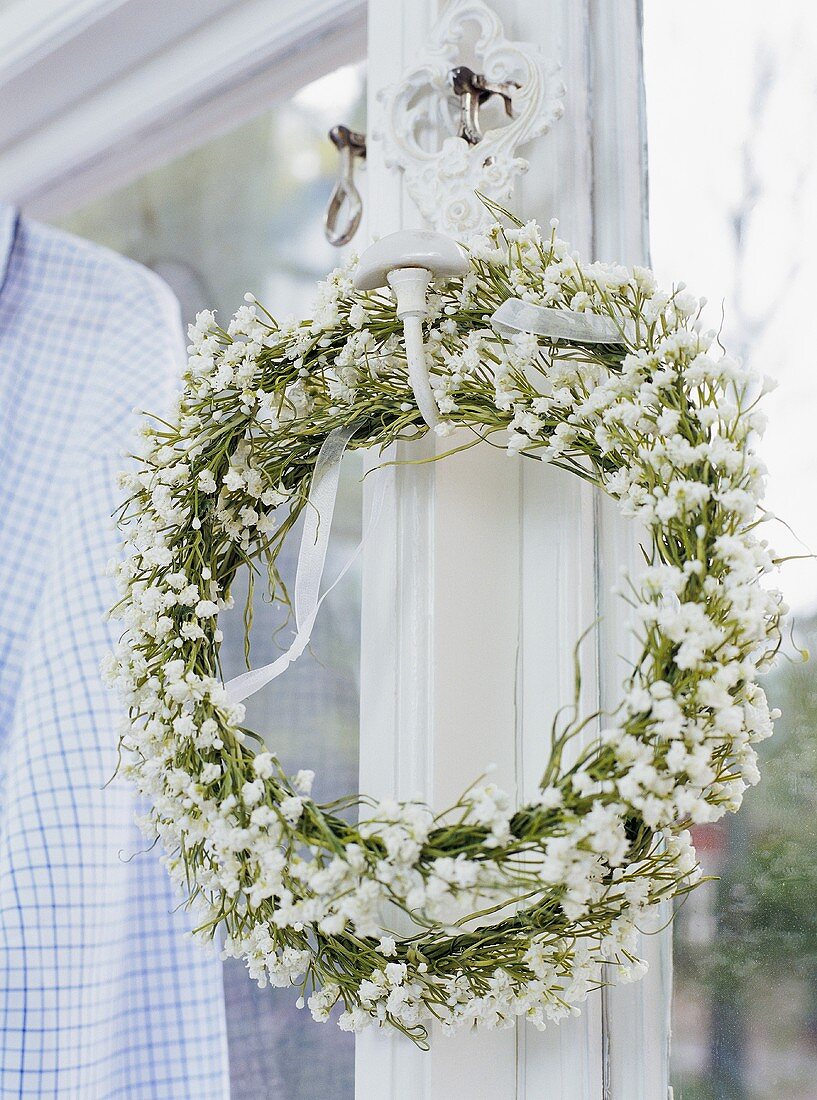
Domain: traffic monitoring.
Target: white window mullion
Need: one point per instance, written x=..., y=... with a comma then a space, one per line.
x=397, y=665
x=558, y=565
x=487, y=570
x=637, y=1017
x=438, y=696
x=558, y=524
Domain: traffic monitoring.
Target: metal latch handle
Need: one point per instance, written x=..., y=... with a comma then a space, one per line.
x=474, y=89
x=350, y=145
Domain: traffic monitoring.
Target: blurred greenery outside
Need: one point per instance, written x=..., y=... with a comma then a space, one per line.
x=732, y=141
x=746, y=945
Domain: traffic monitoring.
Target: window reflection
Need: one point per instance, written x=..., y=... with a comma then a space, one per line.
x=244, y=212
x=731, y=101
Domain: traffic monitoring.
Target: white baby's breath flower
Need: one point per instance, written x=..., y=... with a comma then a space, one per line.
x=664, y=425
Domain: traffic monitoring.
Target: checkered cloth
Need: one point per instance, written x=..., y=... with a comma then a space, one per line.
x=102, y=994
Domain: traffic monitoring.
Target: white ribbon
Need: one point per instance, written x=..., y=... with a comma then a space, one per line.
x=319, y=510
x=515, y=315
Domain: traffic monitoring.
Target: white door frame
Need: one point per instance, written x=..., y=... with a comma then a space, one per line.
x=126, y=85
x=486, y=570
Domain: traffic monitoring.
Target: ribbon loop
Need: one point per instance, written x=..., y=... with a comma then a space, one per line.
x=514, y=315
x=319, y=510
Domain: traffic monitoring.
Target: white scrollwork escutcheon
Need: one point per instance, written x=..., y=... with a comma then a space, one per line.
x=418, y=118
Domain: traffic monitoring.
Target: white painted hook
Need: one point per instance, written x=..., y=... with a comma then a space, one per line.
x=407, y=261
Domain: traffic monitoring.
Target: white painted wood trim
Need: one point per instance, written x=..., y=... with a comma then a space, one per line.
x=397, y=667
x=34, y=30
x=637, y=1017
x=489, y=570
x=202, y=83
x=55, y=53
x=490, y=565
x=558, y=581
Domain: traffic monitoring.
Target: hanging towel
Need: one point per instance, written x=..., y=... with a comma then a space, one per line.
x=103, y=993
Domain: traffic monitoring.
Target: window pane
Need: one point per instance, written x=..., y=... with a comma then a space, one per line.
x=731, y=100
x=244, y=212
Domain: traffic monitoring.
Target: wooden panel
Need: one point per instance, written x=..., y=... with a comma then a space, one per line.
x=637, y=1017
x=497, y=555
x=397, y=658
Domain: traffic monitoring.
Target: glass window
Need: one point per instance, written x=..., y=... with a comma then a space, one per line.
x=731, y=102
x=244, y=212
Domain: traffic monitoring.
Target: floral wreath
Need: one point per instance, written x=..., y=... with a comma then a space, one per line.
x=514, y=911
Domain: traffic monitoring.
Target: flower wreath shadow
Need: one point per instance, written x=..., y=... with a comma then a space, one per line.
x=513, y=911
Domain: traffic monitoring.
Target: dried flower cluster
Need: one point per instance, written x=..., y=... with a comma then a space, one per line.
x=514, y=911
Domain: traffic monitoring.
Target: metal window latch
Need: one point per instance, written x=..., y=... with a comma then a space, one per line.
x=345, y=198
x=473, y=89
x=429, y=124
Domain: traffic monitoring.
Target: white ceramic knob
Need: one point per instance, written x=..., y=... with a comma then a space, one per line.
x=434, y=252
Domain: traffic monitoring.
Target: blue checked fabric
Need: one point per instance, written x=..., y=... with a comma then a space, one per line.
x=102, y=994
